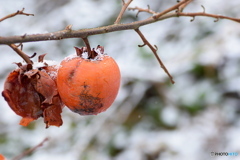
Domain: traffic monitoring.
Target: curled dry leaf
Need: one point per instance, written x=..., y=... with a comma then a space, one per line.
x=32, y=93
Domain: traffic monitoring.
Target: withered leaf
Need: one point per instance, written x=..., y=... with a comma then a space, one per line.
x=31, y=73
x=52, y=113
x=32, y=93
x=22, y=97
x=44, y=85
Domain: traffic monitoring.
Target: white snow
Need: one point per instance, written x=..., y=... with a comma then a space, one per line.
x=216, y=126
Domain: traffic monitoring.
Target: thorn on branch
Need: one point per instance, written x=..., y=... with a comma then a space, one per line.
x=137, y=14
x=203, y=8
x=216, y=20
x=19, y=12
x=156, y=48
x=193, y=18
x=34, y=54
x=20, y=45
x=68, y=27
x=23, y=13
x=141, y=45
x=23, y=36
x=148, y=6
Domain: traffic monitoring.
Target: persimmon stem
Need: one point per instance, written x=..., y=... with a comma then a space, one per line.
x=21, y=53
x=90, y=54
x=154, y=50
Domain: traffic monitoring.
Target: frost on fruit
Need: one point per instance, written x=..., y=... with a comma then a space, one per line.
x=89, y=82
x=32, y=93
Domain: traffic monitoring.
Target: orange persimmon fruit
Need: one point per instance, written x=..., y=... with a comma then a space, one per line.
x=88, y=83
x=2, y=157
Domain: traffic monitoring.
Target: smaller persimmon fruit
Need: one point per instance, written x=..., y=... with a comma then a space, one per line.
x=31, y=92
x=88, y=83
x=2, y=157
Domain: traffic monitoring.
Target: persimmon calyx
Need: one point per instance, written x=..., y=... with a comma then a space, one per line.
x=96, y=53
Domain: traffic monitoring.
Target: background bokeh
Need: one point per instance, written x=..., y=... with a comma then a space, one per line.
x=151, y=119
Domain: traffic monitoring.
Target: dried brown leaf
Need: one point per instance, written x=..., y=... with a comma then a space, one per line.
x=22, y=97
x=52, y=113
x=44, y=85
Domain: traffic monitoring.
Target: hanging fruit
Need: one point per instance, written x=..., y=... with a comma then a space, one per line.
x=31, y=92
x=2, y=157
x=88, y=83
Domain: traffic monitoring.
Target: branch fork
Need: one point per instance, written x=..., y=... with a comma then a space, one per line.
x=84, y=33
x=19, y=12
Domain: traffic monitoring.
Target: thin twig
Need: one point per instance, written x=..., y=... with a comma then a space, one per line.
x=208, y=15
x=16, y=13
x=19, y=157
x=21, y=53
x=154, y=50
x=148, y=10
x=181, y=8
x=170, y=9
x=124, y=7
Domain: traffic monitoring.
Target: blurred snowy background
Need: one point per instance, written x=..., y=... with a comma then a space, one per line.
x=151, y=119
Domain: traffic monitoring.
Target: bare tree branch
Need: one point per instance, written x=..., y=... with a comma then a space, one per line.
x=66, y=33
x=84, y=33
x=19, y=157
x=124, y=7
x=154, y=50
x=14, y=14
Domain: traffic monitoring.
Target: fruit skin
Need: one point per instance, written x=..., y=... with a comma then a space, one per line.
x=2, y=157
x=86, y=86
